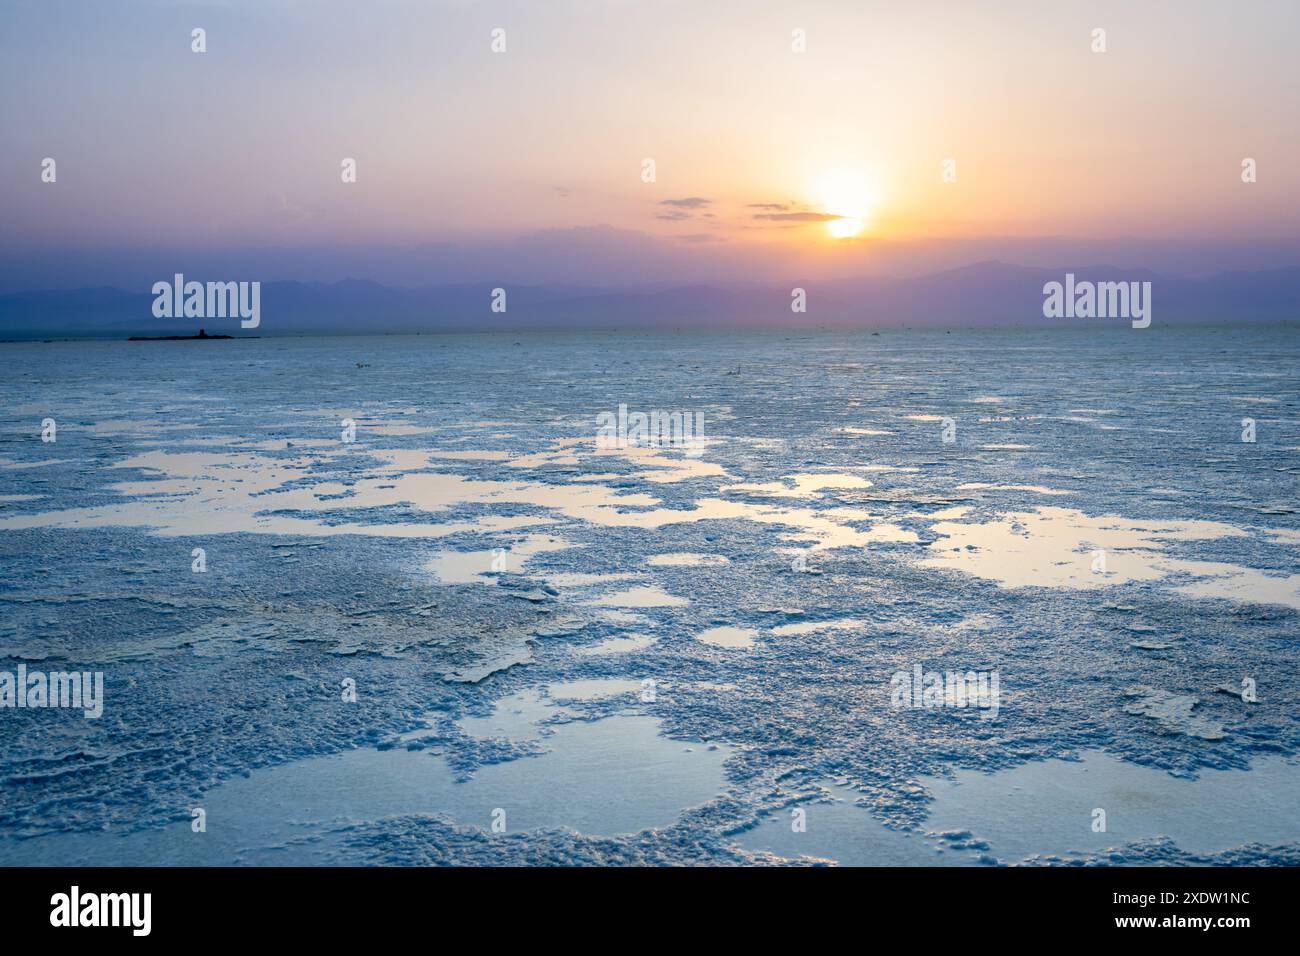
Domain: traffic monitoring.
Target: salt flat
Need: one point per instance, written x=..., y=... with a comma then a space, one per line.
x=378, y=652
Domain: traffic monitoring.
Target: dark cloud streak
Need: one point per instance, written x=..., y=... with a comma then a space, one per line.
x=797, y=216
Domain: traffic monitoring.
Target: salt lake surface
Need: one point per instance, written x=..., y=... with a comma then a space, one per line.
x=474, y=633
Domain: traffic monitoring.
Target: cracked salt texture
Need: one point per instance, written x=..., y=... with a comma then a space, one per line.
x=332, y=561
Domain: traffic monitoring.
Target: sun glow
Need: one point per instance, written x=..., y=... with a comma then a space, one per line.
x=850, y=196
x=844, y=228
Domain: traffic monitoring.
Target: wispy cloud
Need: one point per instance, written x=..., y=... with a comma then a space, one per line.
x=797, y=216
x=690, y=202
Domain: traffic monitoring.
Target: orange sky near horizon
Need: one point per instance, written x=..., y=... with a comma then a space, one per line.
x=456, y=143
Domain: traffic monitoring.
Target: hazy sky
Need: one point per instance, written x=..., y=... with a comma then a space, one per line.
x=526, y=163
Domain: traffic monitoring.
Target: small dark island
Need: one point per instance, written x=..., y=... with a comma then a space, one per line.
x=183, y=338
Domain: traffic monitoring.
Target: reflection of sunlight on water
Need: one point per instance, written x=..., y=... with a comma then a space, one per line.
x=1054, y=547
x=644, y=596
x=623, y=644
x=1035, y=489
x=213, y=492
x=800, y=486
x=685, y=560
x=733, y=637
x=243, y=491
x=813, y=627
x=855, y=430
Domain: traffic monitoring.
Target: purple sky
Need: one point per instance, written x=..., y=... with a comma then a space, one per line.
x=789, y=139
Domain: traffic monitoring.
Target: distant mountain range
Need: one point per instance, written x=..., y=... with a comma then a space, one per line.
x=987, y=293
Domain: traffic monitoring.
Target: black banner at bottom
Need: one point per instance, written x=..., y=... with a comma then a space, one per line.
x=335, y=905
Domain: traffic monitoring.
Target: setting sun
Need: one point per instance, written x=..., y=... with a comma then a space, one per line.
x=849, y=195
x=844, y=228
